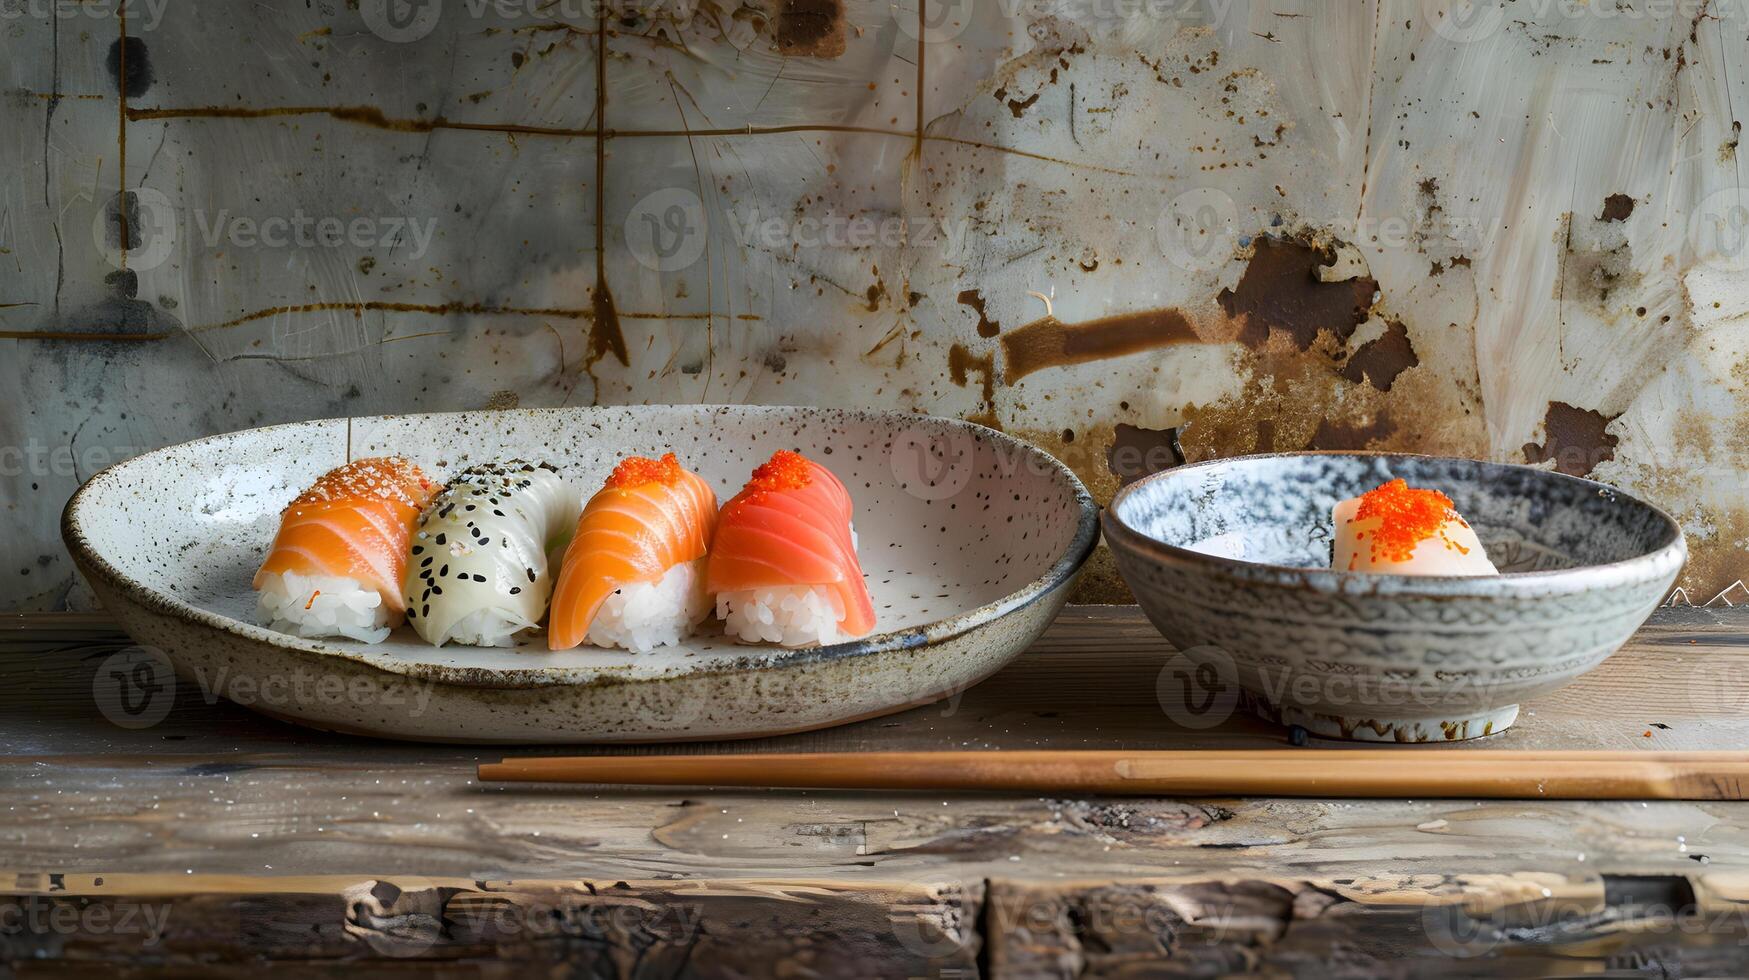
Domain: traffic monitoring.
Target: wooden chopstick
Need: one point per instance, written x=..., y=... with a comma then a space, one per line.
x=1390, y=772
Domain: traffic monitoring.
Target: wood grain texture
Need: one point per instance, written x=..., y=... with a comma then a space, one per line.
x=271, y=842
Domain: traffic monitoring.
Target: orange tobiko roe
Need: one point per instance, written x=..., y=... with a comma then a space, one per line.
x=635, y=471
x=1407, y=517
x=785, y=470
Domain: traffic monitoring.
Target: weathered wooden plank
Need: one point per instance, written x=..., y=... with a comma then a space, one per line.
x=1093, y=681
x=1526, y=925
x=170, y=925
x=939, y=925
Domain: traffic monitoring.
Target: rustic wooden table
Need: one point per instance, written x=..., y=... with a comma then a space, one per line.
x=214, y=837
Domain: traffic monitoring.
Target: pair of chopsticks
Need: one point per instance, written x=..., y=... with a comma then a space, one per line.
x=1376, y=773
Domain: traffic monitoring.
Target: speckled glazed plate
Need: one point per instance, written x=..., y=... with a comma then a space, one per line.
x=970, y=541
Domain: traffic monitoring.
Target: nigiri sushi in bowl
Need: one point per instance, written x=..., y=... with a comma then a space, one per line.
x=1495, y=583
x=434, y=620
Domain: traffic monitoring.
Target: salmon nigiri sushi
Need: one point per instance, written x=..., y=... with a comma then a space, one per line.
x=784, y=567
x=335, y=568
x=633, y=575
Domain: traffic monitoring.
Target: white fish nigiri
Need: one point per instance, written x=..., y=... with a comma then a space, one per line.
x=1398, y=530
x=478, y=569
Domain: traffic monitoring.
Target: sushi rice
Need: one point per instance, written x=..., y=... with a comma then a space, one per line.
x=788, y=615
x=314, y=606
x=645, y=615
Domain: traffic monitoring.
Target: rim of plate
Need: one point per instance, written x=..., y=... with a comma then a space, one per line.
x=1063, y=569
x=1665, y=559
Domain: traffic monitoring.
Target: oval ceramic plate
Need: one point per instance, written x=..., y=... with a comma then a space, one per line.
x=970, y=542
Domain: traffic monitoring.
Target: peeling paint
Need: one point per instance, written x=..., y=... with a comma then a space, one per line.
x=811, y=28
x=1136, y=452
x=1379, y=361
x=1574, y=439
x=1616, y=207
x=1281, y=291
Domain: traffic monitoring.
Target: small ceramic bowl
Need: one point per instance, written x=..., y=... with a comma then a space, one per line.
x=1231, y=561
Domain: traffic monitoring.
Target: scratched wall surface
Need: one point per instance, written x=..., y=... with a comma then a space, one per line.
x=1503, y=228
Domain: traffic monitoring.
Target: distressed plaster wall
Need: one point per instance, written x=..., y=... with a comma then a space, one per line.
x=1504, y=228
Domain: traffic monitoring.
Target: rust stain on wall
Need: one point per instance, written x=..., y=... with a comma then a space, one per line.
x=1342, y=436
x=1574, y=438
x=605, y=336
x=1379, y=361
x=1049, y=342
x=1616, y=207
x=975, y=300
x=811, y=28
x=960, y=363
x=1019, y=106
x=1280, y=291
x=1085, y=453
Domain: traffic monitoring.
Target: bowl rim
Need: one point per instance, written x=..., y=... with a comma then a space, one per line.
x=1061, y=572
x=1666, y=559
